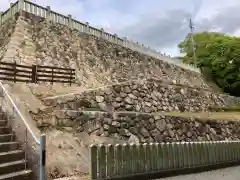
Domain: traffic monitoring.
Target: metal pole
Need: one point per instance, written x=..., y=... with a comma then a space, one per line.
x=42, y=156
x=193, y=43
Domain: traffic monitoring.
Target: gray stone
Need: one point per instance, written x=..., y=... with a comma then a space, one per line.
x=161, y=125
x=132, y=96
x=128, y=107
x=118, y=99
x=123, y=95
x=144, y=132
x=99, y=99
x=116, y=124
x=127, y=89
x=128, y=100
x=169, y=126
x=133, y=139
x=106, y=126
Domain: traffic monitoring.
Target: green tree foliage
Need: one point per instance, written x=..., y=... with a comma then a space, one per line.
x=218, y=57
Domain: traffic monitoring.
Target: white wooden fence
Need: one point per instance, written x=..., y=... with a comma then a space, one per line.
x=119, y=161
x=47, y=13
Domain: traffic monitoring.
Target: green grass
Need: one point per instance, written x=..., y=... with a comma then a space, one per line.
x=204, y=116
x=227, y=109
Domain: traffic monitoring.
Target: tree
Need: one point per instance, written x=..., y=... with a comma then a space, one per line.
x=218, y=57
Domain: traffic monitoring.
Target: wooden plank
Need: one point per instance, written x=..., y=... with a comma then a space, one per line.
x=141, y=158
x=55, y=72
x=238, y=150
x=152, y=157
x=7, y=69
x=55, y=76
x=18, y=80
x=118, y=159
x=126, y=161
x=93, y=162
x=138, y=158
x=15, y=64
x=11, y=74
x=135, y=159
x=49, y=80
x=207, y=153
x=53, y=67
x=170, y=155
x=191, y=154
x=24, y=66
x=102, y=163
x=181, y=155
x=167, y=162
x=12, y=70
x=110, y=160
x=186, y=154
x=176, y=148
x=147, y=157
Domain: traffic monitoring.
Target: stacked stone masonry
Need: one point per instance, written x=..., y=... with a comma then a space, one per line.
x=141, y=127
x=148, y=96
x=6, y=31
x=123, y=112
x=29, y=39
x=97, y=61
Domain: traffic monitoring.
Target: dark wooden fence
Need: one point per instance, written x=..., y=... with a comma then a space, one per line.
x=36, y=73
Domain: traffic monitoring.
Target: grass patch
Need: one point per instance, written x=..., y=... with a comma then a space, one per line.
x=229, y=116
x=227, y=109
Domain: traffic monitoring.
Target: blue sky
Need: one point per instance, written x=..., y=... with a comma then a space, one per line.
x=161, y=24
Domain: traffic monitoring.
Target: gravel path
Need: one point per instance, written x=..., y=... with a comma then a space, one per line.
x=231, y=173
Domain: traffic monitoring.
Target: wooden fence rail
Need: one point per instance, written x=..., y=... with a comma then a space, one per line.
x=35, y=73
x=119, y=161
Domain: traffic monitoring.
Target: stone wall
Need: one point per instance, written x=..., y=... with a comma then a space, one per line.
x=6, y=31
x=35, y=40
x=141, y=96
x=230, y=100
x=97, y=61
x=141, y=127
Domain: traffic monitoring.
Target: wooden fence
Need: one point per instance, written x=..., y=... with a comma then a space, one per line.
x=35, y=73
x=119, y=161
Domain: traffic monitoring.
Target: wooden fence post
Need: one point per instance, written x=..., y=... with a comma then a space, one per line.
x=127, y=164
x=48, y=13
x=71, y=76
x=118, y=159
x=70, y=23
x=52, y=74
x=141, y=157
x=93, y=162
x=102, y=161
x=110, y=160
x=15, y=71
x=34, y=73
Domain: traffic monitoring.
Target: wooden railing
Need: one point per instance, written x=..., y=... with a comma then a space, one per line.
x=35, y=73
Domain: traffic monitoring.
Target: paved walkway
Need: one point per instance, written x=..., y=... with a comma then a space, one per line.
x=231, y=173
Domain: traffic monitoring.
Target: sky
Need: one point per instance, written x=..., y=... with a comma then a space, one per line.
x=160, y=24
